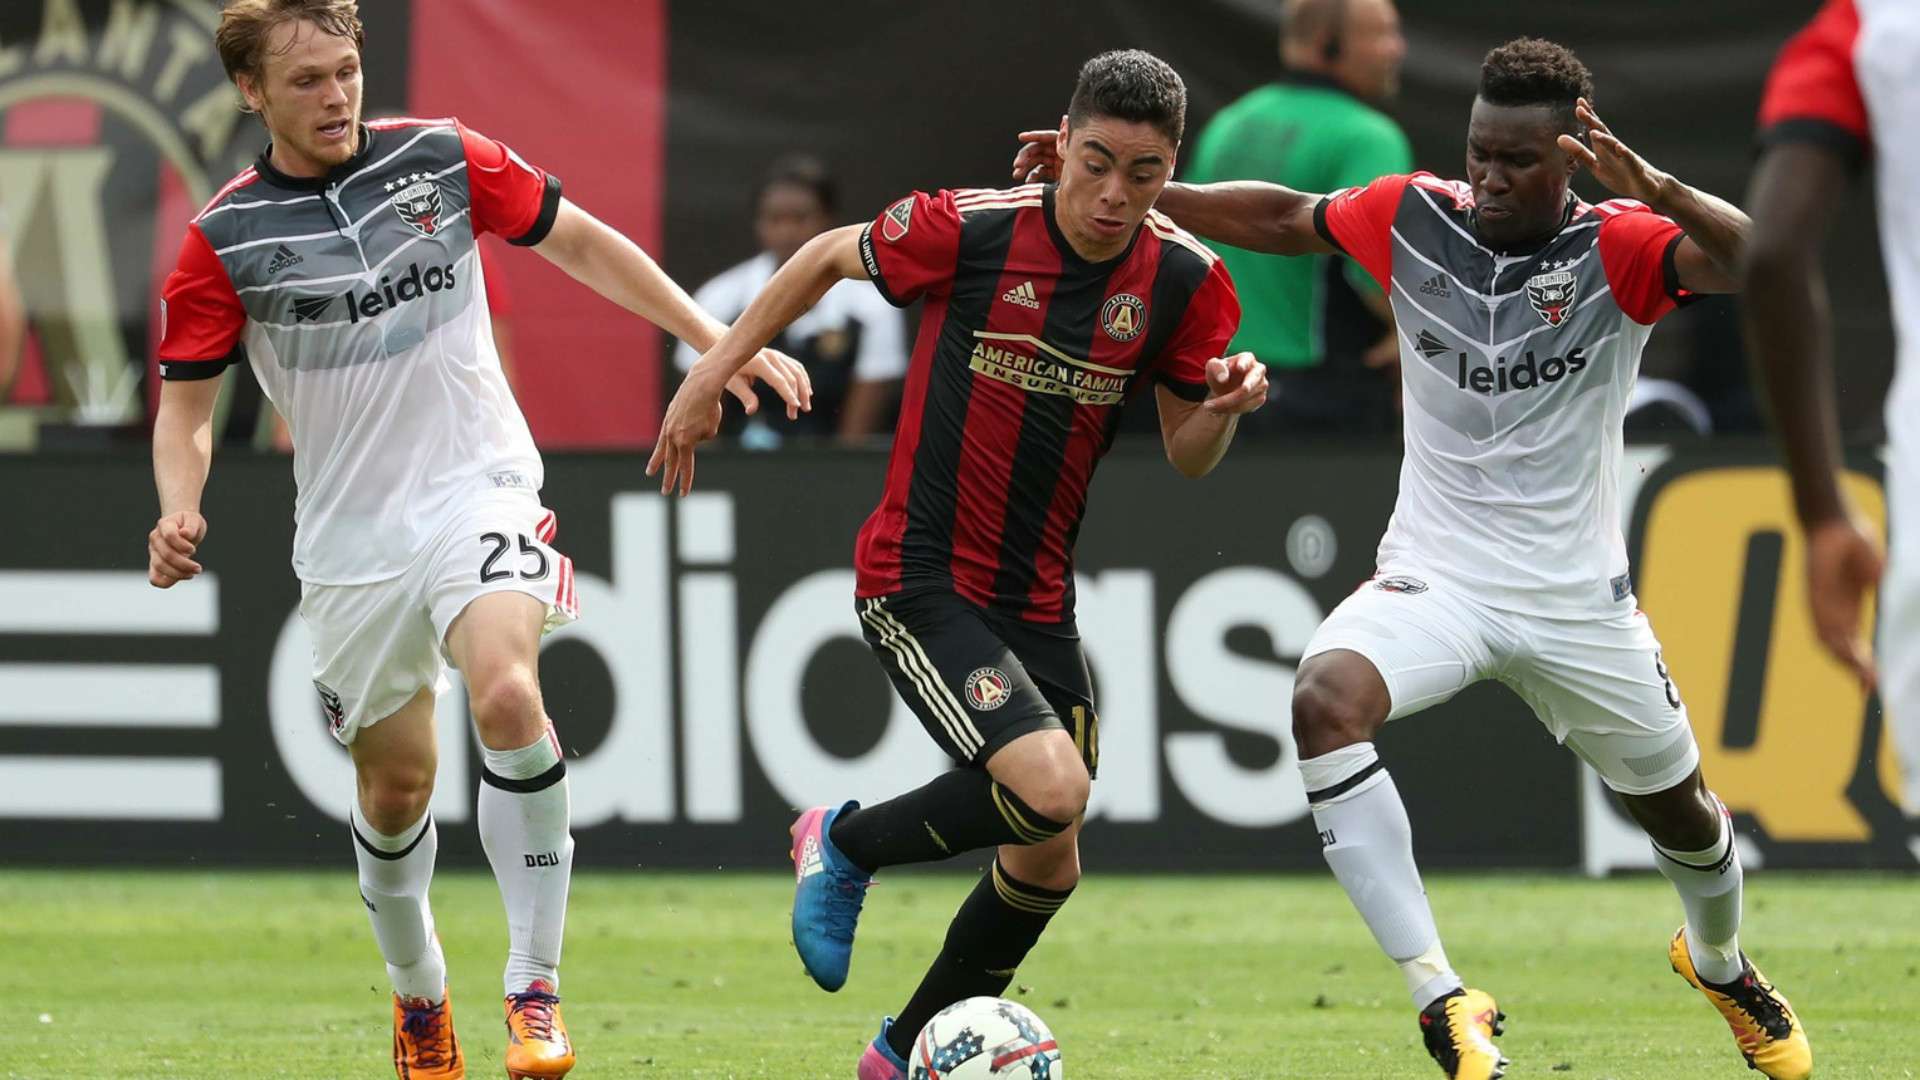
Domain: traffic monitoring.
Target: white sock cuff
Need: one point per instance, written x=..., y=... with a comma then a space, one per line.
x=379, y=842
x=1714, y=858
x=1341, y=774
x=537, y=761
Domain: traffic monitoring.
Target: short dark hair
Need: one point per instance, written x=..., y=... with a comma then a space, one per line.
x=802, y=171
x=1134, y=85
x=1533, y=71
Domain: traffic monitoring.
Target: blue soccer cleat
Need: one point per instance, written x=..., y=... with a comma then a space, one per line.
x=827, y=894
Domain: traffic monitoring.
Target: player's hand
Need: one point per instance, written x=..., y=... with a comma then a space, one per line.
x=1611, y=161
x=1039, y=156
x=1235, y=384
x=788, y=378
x=170, y=548
x=693, y=417
x=1843, y=566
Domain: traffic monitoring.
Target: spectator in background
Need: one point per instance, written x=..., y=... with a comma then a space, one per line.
x=13, y=323
x=852, y=342
x=1320, y=323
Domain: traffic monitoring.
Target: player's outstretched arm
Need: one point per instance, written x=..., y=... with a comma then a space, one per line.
x=1788, y=336
x=1708, y=259
x=1197, y=433
x=599, y=257
x=693, y=416
x=1248, y=214
x=182, y=456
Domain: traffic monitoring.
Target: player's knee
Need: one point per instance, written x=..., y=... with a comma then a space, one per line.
x=395, y=795
x=1054, y=865
x=507, y=708
x=1061, y=794
x=1326, y=717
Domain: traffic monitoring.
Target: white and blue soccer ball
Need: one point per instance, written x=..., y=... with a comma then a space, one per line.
x=985, y=1038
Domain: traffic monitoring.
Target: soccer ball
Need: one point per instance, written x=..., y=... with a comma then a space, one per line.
x=982, y=1038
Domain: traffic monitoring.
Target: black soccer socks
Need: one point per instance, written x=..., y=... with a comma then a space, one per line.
x=958, y=811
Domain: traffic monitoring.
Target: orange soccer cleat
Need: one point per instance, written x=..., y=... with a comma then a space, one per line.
x=423, y=1044
x=537, y=1043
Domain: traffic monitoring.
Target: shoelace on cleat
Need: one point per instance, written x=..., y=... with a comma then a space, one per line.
x=422, y=1024
x=1755, y=998
x=535, y=1008
x=843, y=902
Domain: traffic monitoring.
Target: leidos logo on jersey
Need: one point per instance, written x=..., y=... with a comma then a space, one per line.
x=391, y=294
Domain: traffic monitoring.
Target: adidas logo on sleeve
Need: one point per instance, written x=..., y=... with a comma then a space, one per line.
x=1022, y=295
x=1436, y=286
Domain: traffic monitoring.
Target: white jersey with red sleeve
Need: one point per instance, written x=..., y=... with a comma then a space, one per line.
x=359, y=301
x=1517, y=368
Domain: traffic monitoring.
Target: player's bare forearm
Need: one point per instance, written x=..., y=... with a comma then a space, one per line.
x=1787, y=324
x=790, y=293
x=1717, y=233
x=1196, y=438
x=599, y=257
x=1248, y=214
x=183, y=442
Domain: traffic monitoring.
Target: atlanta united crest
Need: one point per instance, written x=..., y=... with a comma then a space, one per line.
x=417, y=200
x=1552, y=295
x=988, y=688
x=1123, y=317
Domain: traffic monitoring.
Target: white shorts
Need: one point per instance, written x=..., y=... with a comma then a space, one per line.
x=377, y=645
x=1598, y=684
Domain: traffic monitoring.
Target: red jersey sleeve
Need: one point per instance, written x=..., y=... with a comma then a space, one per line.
x=913, y=247
x=510, y=197
x=1636, y=251
x=1812, y=94
x=1359, y=221
x=1210, y=321
x=200, y=315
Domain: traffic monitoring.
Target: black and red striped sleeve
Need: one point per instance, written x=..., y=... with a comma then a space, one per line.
x=1812, y=94
x=201, y=317
x=913, y=247
x=1637, y=249
x=1359, y=221
x=1210, y=321
x=510, y=197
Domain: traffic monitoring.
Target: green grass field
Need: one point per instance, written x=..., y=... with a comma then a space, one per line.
x=230, y=974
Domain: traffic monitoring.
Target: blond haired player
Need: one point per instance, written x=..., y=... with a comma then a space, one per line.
x=341, y=267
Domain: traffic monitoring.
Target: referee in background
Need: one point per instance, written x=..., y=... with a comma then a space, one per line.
x=1319, y=323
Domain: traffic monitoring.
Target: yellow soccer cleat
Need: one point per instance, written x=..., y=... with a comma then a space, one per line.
x=1459, y=1030
x=537, y=1043
x=423, y=1044
x=1764, y=1025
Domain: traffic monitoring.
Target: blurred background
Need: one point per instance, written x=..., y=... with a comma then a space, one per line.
x=718, y=677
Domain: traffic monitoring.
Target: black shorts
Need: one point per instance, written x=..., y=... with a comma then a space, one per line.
x=978, y=680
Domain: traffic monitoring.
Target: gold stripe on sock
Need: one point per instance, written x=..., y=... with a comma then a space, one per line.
x=1018, y=822
x=1014, y=896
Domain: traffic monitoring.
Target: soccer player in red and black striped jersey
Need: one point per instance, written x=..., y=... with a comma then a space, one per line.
x=1047, y=307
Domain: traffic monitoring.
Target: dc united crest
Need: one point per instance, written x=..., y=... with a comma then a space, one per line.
x=417, y=200
x=1400, y=583
x=988, y=689
x=1552, y=295
x=331, y=708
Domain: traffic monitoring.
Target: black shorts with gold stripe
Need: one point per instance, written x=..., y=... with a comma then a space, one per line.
x=977, y=679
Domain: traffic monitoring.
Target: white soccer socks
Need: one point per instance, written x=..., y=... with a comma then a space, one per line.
x=395, y=872
x=1709, y=884
x=1368, y=841
x=523, y=826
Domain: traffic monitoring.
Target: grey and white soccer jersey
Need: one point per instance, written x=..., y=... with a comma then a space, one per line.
x=1517, y=370
x=1504, y=559
x=358, y=301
